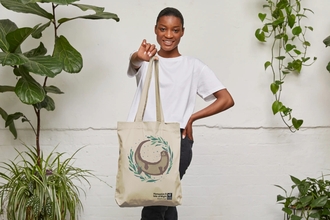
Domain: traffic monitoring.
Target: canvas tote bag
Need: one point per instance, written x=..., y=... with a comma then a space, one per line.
x=149, y=156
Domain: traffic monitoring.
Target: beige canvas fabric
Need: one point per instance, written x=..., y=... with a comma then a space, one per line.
x=149, y=156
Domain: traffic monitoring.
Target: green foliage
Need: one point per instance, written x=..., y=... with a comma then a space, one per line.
x=282, y=26
x=311, y=199
x=326, y=41
x=28, y=65
x=38, y=188
x=41, y=188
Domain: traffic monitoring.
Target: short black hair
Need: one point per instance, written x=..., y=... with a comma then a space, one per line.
x=169, y=11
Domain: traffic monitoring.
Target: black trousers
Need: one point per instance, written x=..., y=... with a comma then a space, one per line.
x=169, y=212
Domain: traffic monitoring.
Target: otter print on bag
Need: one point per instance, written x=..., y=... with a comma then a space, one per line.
x=151, y=168
x=149, y=156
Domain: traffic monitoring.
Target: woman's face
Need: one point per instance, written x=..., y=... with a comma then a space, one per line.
x=169, y=31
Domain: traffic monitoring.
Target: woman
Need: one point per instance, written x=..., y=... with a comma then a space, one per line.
x=181, y=78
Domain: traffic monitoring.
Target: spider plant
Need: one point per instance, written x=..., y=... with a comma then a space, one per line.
x=40, y=192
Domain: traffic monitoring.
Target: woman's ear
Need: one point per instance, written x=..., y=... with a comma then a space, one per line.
x=155, y=29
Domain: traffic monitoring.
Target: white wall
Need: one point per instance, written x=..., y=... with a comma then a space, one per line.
x=238, y=155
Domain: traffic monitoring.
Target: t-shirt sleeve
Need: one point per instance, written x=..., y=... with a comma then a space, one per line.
x=208, y=84
x=131, y=71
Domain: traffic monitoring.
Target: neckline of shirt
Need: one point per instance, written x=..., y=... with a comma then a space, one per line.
x=171, y=58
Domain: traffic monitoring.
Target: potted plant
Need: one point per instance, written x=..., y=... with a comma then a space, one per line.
x=38, y=187
x=308, y=198
x=35, y=186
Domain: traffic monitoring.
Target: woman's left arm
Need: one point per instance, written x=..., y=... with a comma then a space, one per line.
x=223, y=102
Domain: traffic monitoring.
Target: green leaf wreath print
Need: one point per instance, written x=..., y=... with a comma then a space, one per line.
x=151, y=171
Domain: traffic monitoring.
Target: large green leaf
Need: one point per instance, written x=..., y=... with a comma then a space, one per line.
x=44, y=66
x=29, y=1
x=48, y=104
x=319, y=202
x=99, y=15
x=27, y=89
x=297, y=30
x=89, y=7
x=260, y=35
x=276, y=107
x=326, y=41
x=317, y=215
x=291, y=20
x=296, y=217
x=38, y=33
x=60, y=2
x=39, y=51
x=12, y=59
x=53, y=89
x=295, y=180
x=30, y=8
x=274, y=88
x=17, y=37
x=262, y=16
x=6, y=26
x=297, y=123
x=328, y=67
x=68, y=55
x=303, y=188
x=10, y=119
x=305, y=200
x=12, y=127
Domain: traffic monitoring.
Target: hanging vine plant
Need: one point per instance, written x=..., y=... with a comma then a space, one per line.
x=326, y=41
x=283, y=28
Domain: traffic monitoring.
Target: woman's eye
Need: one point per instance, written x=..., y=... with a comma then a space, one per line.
x=162, y=29
x=176, y=31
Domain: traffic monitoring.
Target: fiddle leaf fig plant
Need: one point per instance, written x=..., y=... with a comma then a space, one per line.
x=285, y=33
x=39, y=187
x=28, y=66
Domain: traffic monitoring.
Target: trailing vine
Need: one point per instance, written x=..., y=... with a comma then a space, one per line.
x=326, y=41
x=283, y=27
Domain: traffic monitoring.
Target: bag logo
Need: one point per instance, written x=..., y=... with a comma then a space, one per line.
x=151, y=171
x=163, y=196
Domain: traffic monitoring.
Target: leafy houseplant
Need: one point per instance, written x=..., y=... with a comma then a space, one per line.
x=283, y=26
x=36, y=184
x=42, y=188
x=312, y=201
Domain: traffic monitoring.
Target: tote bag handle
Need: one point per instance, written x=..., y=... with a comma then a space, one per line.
x=144, y=96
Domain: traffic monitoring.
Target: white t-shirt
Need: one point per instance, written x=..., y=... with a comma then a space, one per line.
x=181, y=78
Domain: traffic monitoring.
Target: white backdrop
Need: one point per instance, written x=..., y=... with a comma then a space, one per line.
x=238, y=155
